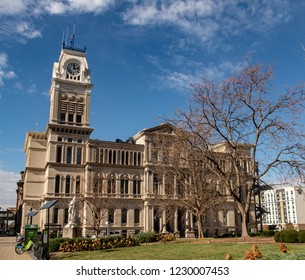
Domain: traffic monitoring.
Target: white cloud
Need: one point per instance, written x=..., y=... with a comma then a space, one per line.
x=182, y=80
x=27, y=30
x=207, y=19
x=39, y=7
x=5, y=73
x=9, y=7
x=8, y=186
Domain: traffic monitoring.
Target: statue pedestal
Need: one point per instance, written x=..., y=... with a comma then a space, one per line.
x=70, y=232
x=190, y=234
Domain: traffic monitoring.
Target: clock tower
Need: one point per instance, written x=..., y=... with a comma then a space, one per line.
x=70, y=90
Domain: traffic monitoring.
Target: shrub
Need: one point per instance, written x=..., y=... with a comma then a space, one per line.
x=282, y=235
x=146, y=237
x=163, y=237
x=268, y=233
x=87, y=244
x=292, y=236
x=54, y=243
x=302, y=236
x=277, y=236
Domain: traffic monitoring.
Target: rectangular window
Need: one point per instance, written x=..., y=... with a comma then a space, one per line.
x=77, y=185
x=62, y=117
x=78, y=119
x=58, y=154
x=111, y=185
x=57, y=184
x=55, y=216
x=137, y=216
x=156, y=185
x=68, y=181
x=111, y=216
x=66, y=215
x=79, y=156
x=70, y=118
x=225, y=221
x=124, y=216
x=136, y=186
x=69, y=155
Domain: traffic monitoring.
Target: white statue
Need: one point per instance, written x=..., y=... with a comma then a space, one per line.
x=72, y=213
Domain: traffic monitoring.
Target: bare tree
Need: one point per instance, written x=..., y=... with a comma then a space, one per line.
x=187, y=183
x=257, y=131
x=97, y=202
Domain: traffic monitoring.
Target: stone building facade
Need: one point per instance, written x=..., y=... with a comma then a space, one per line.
x=62, y=162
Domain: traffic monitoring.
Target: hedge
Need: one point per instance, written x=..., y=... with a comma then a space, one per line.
x=302, y=236
x=90, y=244
x=290, y=236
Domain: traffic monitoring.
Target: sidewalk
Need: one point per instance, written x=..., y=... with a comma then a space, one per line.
x=7, y=249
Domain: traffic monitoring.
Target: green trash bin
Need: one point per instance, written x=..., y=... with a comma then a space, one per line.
x=30, y=233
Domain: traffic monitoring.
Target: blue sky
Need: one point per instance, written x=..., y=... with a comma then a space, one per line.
x=142, y=55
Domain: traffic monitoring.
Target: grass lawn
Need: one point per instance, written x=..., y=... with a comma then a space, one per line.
x=189, y=249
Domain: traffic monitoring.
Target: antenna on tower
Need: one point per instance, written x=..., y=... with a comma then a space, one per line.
x=62, y=40
x=72, y=37
x=67, y=31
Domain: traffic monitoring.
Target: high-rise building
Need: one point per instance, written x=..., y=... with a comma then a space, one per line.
x=285, y=207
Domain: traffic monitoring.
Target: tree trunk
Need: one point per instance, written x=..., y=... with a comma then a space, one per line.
x=200, y=227
x=244, y=227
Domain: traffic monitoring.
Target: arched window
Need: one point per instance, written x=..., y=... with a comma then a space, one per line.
x=136, y=185
x=111, y=184
x=124, y=184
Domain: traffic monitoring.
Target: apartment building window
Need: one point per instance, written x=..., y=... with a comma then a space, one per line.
x=55, y=216
x=57, y=184
x=69, y=155
x=137, y=216
x=68, y=182
x=124, y=216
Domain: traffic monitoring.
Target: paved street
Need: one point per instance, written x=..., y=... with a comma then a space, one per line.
x=7, y=249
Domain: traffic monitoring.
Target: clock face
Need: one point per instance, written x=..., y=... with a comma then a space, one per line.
x=73, y=69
